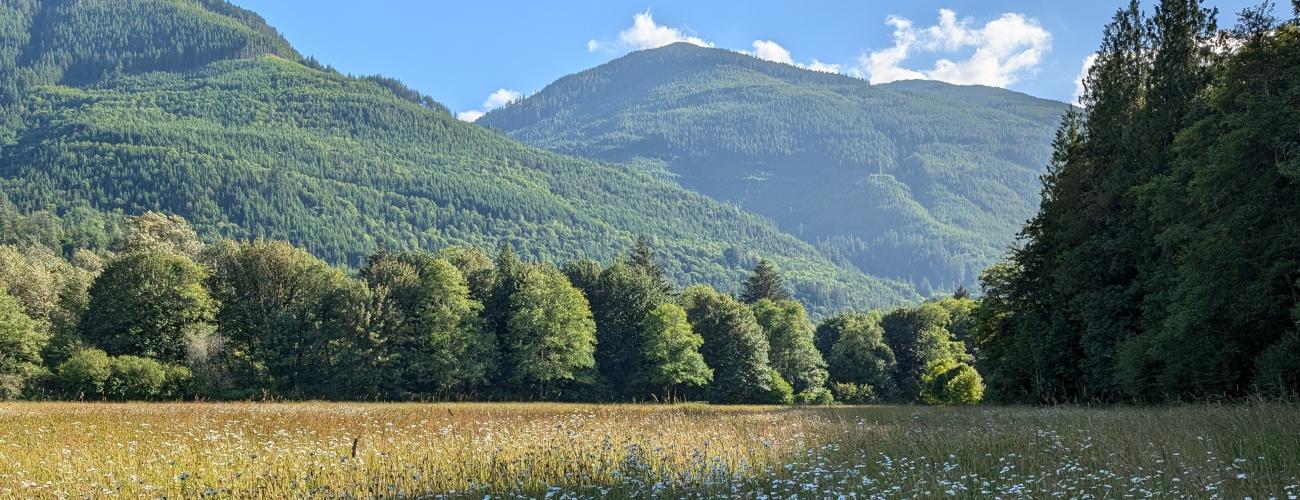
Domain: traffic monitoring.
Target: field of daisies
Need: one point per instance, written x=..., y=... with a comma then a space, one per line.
x=71, y=450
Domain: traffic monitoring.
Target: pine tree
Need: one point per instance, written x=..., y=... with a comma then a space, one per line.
x=764, y=283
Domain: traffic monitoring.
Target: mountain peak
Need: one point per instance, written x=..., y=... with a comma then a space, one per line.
x=919, y=181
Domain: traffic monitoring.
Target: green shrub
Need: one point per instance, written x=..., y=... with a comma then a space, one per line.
x=84, y=374
x=135, y=378
x=817, y=396
x=178, y=383
x=854, y=394
x=1277, y=369
x=950, y=382
x=779, y=391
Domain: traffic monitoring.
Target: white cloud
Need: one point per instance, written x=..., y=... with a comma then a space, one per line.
x=1079, y=87
x=470, y=116
x=1004, y=49
x=816, y=65
x=495, y=100
x=645, y=33
x=771, y=51
x=501, y=98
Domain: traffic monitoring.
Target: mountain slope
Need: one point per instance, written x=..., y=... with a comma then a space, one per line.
x=922, y=181
x=198, y=108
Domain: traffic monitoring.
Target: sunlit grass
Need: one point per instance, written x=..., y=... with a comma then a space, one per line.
x=241, y=450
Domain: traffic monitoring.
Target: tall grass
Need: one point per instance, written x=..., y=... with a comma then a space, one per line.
x=473, y=450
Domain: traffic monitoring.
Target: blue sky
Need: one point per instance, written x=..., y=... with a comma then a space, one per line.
x=472, y=56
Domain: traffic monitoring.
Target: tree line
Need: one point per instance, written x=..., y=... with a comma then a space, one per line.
x=1164, y=262
x=162, y=315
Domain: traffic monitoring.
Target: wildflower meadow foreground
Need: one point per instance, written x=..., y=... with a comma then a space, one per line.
x=585, y=451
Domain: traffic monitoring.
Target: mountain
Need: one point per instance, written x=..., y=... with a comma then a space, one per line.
x=917, y=180
x=198, y=108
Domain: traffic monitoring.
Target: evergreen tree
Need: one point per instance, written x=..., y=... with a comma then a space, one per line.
x=764, y=283
x=642, y=256
x=621, y=299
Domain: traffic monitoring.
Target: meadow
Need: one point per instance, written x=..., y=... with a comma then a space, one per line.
x=580, y=451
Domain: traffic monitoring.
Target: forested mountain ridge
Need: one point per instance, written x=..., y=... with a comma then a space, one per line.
x=921, y=181
x=200, y=109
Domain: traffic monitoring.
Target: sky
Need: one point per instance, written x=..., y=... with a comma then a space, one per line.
x=476, y=56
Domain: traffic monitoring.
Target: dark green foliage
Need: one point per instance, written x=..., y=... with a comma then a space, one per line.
x=197, y=108
x=132, y=378
x=477, y=268
x=921, y=181
x=270, y=295
x=643, y=257
x=1162, y=264
x=790, y=338
x=621, y=299
x=919, y=339
x=1277, y=370
x=820, y=396
x=149, y=304
x=764, y=283
x=734, y=346
x=853, y=394
x=433, y=342
x=859, y=354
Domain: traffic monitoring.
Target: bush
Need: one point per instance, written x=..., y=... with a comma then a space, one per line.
x=178, y=383
x=84, y=374
x=854, y=394
x=135, y=378
x=1277, y=369
x=779, y=391
x=949, y=382
x=818, y=396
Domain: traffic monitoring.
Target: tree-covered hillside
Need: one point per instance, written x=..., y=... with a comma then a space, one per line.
x=921, y=181
x=196, y=107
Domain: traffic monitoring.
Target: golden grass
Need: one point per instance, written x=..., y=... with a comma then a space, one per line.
x=472, y=450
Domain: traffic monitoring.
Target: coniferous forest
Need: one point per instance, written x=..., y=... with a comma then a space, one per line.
x=1163, y=262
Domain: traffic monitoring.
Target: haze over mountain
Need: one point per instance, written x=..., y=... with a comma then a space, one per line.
x=198, y=108
x=916, y=180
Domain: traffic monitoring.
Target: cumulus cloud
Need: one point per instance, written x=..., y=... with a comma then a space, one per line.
x=816, y=65
x=769, y=50
x=501, y=98
x=645, y=33
x=1079, y=81
x=1000, y=51
x=495, y=100
x=470, y=116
